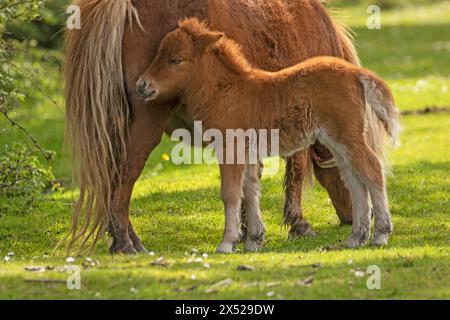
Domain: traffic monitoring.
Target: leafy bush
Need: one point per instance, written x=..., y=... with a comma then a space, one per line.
x=45, y=29
x=22, y=174
x=12, y=10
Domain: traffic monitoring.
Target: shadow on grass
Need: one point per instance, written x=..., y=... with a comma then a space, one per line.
x=181, y=220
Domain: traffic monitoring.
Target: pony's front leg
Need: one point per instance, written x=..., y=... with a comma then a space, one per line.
x=146, y=131
x=232, y=177
x=330, y=179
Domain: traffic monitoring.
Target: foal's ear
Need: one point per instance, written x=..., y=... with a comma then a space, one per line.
x=208, y=39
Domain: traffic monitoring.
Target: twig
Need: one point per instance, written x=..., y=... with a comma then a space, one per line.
x=47, y=281
x=46, y=155
x=34, y=82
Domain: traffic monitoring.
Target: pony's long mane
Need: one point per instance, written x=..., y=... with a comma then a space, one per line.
x=97, y=111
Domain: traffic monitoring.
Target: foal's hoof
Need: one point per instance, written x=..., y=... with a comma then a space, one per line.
x=380, y=239
x=124, y=248
x=243, y=235
x=357, y=240
x=302, y=229
x=252, y=246
x=226, y=247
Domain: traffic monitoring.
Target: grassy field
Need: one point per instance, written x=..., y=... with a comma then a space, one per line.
x=178, y=209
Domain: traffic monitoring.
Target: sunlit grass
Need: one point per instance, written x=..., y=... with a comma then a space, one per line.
x=176, y=209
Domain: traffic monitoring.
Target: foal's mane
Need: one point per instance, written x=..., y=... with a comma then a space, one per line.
x=227, y=50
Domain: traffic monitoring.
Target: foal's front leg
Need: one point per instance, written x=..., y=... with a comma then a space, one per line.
x=232, y=177
x=255, y=226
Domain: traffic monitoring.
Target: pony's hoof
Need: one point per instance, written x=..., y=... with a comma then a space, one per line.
x=124, y=248
x=139, y=247
x=302, y=229
x=226, y=247
x=380, y=239
x=356, y=241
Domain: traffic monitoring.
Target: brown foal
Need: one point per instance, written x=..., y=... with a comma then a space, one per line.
x=323, y=99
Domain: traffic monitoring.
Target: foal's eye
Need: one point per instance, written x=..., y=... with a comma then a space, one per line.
x=175, y=61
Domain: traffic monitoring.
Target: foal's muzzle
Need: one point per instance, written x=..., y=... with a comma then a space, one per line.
x=145, y=89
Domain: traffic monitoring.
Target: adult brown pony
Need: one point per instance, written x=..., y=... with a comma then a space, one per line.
x=112, y=133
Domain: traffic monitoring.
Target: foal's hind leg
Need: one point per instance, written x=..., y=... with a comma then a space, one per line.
x=232, y=177
x=255, y=226
x=345, y=156
x=372, y=171
x=383, y=222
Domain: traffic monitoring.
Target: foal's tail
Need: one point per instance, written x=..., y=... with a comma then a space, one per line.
x=383, y=115
x=97, y=110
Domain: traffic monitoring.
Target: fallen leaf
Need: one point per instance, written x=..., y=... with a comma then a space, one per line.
x=273, y=284
x=134, y=290
x=187, y=289
x=359, y=274
x=88, y=263
x=35, y=269
x=306, y=282
x=221, y=284
x=48, y=281
x=160, y=262
x=245, y=268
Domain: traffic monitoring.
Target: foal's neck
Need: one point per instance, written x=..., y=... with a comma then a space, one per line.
x=218, y=86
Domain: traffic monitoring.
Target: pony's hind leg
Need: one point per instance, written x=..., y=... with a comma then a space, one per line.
x=232, y=177
x=255, y=226
x=296, y=172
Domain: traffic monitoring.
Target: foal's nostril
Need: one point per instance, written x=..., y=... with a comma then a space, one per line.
x=142, y=86
x=145, y=89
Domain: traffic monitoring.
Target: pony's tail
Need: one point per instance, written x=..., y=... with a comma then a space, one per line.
x=97, y=111
x=383, y=116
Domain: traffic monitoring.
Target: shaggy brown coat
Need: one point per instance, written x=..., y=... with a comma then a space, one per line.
x=323, y=99
x=112, y=133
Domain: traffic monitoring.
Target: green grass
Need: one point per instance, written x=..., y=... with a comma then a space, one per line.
x=176, y=209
